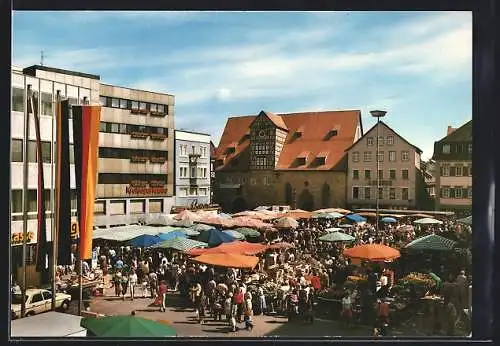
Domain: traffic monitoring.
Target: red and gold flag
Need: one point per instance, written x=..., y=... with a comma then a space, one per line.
x=86, y=120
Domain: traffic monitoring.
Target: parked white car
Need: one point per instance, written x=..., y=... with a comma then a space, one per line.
x=37, y=301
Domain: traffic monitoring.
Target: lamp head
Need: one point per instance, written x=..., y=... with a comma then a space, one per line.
x=378, y=114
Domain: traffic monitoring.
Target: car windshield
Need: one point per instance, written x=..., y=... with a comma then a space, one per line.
x=18, y=298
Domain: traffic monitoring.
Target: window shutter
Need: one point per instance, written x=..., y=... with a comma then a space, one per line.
x=452, y=171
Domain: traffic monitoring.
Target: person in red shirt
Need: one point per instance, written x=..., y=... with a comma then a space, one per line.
x=239, y=299
x=162, y=292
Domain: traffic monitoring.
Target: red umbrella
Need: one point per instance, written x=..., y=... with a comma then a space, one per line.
x=236, y=247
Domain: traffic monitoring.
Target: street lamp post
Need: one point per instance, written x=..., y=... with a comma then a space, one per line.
x=378, y=114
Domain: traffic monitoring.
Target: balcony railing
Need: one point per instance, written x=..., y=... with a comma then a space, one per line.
x=157, y=114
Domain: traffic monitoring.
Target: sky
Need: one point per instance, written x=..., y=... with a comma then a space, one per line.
x=417, y=66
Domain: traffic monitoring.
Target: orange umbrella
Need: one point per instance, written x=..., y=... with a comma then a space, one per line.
x=228, y=260
x=367, y=214
x=296, y=214
x=235, y=247
x=372, y=252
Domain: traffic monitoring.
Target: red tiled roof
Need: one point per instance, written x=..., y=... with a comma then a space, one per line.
x=277, y=120
x=303, y=155
x=313, y=126
x=323, y=154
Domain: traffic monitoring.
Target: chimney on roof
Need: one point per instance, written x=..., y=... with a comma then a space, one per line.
x=450, y=130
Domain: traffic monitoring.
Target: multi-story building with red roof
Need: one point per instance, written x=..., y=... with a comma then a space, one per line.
x=295, y=159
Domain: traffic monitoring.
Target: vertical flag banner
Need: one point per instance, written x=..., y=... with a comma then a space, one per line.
x=63, y=199
x=42, y=249
x=86, y=120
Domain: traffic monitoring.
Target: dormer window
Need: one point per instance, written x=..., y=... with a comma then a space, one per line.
x=302, y=158
x=231, y=148
x=333, y=132
x=298, y=132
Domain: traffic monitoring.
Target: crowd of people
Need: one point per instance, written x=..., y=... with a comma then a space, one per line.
x=288, y=277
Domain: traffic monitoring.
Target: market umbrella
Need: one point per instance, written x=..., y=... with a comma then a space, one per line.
x=144, y=240
x=405, y=228
x=432, y=242
x=190, y=232
x=281, y=245
x=187, y=215
x=172, y=235
x=367, y=214
x=214, y=237
x=180, y=243
x=336, y=236
x=236, y=247
x=428, y=221
x=355, y=218
x=224, y=216
x=129, y=326
x=466, y=220
x=287, y=222
x=201, y=227
x=235, y=234
x=333, y=229
x=346, y=225
x=228, y=260
x=388, y=219
x=260, y=208
x=162, y=220
x=296, y=214
x=325, y=215
x=248, y=232
x=372, y=252
x=420, y=216
x=334, y=210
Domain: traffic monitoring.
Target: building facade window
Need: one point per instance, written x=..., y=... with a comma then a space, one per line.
x=267, y=180
x=445, y=171
x=380, y=193
x=392, y=156
x=17, y=201
x=446, y=148
x=367, y=156
x=405, y=156
x=404, y=193
x=253, y=181
x=380, y=174
x=381, y=156
x=380, y=141
x=355, y=174
x=469, y=148
x=445, y=192
x=193, y=172
x=123, y=104
x=115, y=103
x=183, y=192
x=103, y=101
x=470, y=170
x=18, y=99
x=183, y=172
x=469, y=192
x=390, y=140
x=355, y=156
x=368, y=174
x=392, y=193
x=17, y=150
x=404, y=174
x=355, y=192
x=392, y=174
x=458, y=192
x=46, y=103
x=143, y=106
x=458, y=170
x=369, y=141
x=202, y=191
x=368, y=193
x=134, y=105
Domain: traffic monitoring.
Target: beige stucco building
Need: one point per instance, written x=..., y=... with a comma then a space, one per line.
x=136, y=155
x=401, y=184
x=453, y=156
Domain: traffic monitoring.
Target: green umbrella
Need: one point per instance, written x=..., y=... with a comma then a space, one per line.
x=126, y=327
x=248, y=232
x=181, y=244
x=466, y=221
x=336, y=236
x=432, y=242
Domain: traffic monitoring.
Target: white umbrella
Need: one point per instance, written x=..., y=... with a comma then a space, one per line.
x=334, y=229
x=428, y=221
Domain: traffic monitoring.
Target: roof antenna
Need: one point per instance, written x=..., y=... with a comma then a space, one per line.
x=42, y=56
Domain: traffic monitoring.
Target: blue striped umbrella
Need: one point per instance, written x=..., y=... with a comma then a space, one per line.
x=388, y=219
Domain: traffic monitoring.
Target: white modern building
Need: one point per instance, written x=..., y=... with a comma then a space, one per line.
x=192, y=168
